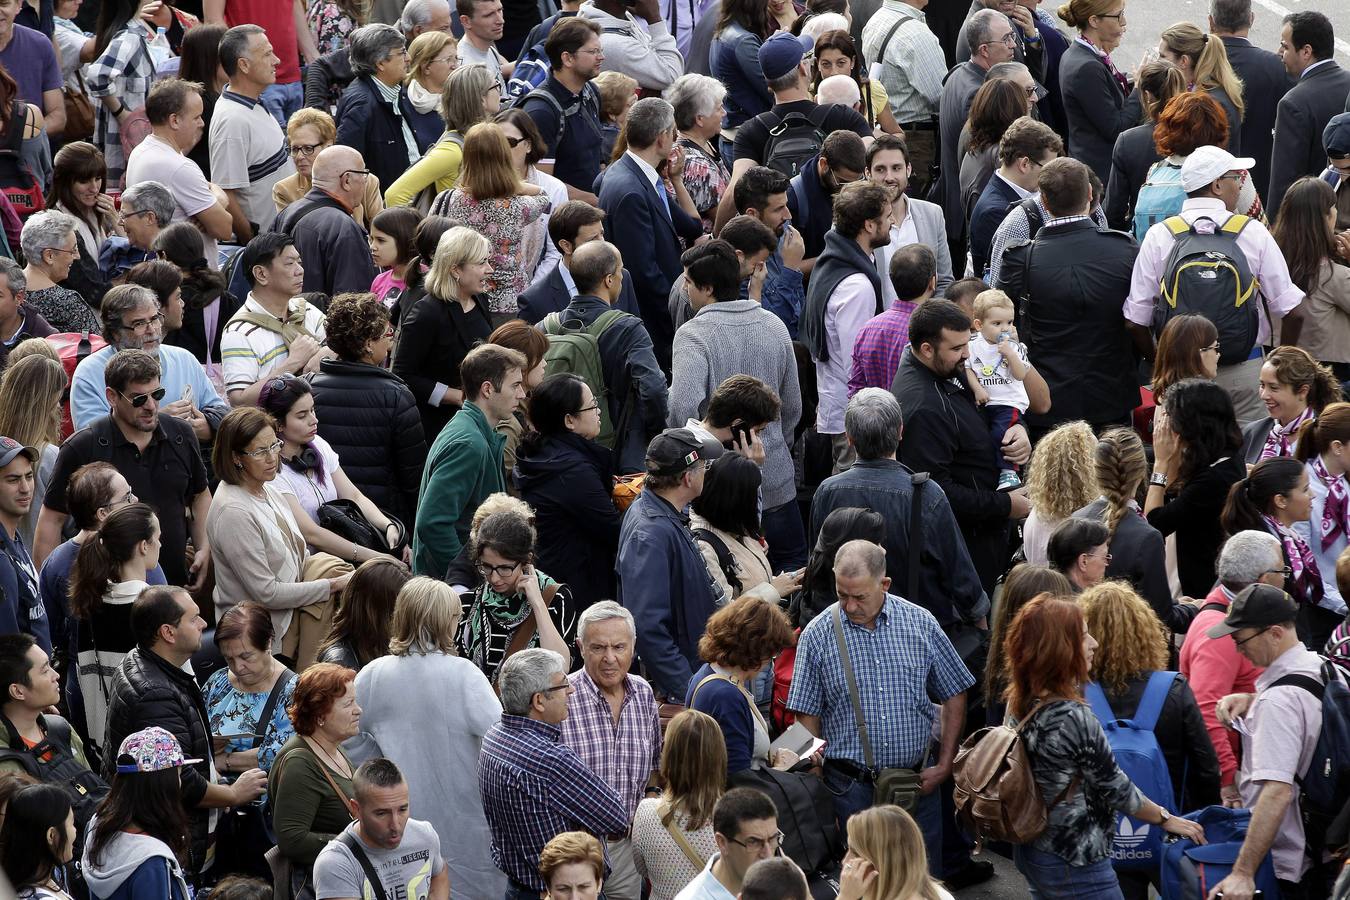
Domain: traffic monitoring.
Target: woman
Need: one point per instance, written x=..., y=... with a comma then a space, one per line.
x=1324, y=449
x=258, y=549
x=37, y=841
x=837, y=54
x=139, y=835
x=425, y=239
x=1187, y=348
x=1135, y=151
x=120, y=77
x=567, y=478
x=435, y=748
x=740, y=639
x=442, y=326
x=207, y=305
x=527, y=149
x=726, y=526
x=886, y=858
x=432, y=57
x=618, y=92
x=391, y=247
x=531, y=343
x=1050, y=653
x=1305, y=230
x=694, y=775
x=698, y=101
x=1098, y=103
x=733, y=59
x=199, y=61
x=361, y=625
x=311, y=781
x=471, y=95
x=311, y=473
x=1023, y=583
x=1060, y=481
x=333, y=21
x=572, y=864
x=848, y=523
x=1203, y=61
x=50, y=247
x=30, y=413
x=366, y=414
x=1080, y=548
x=997, y=104
x=1196, y=458
x=308, y=132
x=79, y=177
x=108, y=576
x=374, y=116
x=516, y=607
x=1295, y=389
x=494, y=200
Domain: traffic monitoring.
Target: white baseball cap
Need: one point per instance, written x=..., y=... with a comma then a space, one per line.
x=1205, y=164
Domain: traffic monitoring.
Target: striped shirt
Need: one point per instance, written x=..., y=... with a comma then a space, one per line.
x=249, y=352
x=624, y=753
x=878, y=347
x=914, y=67
x=249, y=155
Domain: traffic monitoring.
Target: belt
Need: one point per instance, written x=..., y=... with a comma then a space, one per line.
x=851, y=769
x=926, y=125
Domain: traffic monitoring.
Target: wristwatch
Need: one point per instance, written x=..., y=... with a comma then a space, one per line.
x=1165, y=817
x=1157, y=479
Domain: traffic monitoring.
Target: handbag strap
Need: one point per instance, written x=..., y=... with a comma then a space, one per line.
x=717, y=676
x=525, y=631
x=349, y=841
x=838, y=620
x=278, y=688
x=323, y=770
x=918, y=479
x=668, y=819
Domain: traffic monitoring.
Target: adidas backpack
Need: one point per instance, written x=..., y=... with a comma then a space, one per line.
x=1207, y=274
x=577, y=350
x=1160, y=196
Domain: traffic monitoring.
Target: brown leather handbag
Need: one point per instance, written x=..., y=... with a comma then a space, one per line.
x=79, y=112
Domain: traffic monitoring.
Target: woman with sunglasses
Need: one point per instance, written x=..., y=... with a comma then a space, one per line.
x=309, y=131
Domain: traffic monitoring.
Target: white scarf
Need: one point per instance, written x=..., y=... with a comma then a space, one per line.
x=423, y=100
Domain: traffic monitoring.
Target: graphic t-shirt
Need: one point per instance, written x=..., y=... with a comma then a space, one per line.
x=995, y=377
x=405, y=872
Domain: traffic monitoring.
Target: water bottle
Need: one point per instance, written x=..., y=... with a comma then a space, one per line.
x=160, y=51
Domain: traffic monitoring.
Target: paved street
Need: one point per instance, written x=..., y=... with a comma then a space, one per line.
x=1008, y=884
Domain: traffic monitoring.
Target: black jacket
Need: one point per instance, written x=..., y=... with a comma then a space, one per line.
x=336, y=249
x=192, y=336
x=1264, y=83
x=958, y=91
x=1192, y=514
x=1095, y=106
x=1300, y=118
x=549, y=294
x=1139, y=555
x=989, y=211
x=368, y=123
x=1131, y=158
x=435, y=337
x=843, y=256
x=1069, y=316
x=326, y=78
x=371, y=420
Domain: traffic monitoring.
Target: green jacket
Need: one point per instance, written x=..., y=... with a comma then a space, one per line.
x=10, y=765
x=463, y=467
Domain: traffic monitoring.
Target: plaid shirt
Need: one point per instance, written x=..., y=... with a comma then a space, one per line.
x=914, y=67
x=899, y=664
x=879, y=346
x=125, y=71
x=623, y=754
x=1015, y=230
x=535, y=788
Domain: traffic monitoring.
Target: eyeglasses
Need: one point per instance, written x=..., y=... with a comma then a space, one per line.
x=122, y=219
x=586, y=409
x=590, y=51
x=125, y=500
x=305, y=150
x=1105, y=557
x=1212, y=348
x=1008, y=40
x=74, y=252
x=142, y=324
x=516, y=142
x=755, y=845
x=1119, y=17
x=1286, y=571
x=271, y=449
x=362, y=172
x=139, y=400
x=500, y=571
x=1246, y=640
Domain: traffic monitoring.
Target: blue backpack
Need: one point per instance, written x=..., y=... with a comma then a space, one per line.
x=1138, y=845
x=1160, y=196
x=1190, y=871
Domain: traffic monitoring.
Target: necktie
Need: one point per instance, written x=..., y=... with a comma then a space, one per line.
x=661, y=192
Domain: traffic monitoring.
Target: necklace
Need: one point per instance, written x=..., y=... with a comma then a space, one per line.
x=333, y=763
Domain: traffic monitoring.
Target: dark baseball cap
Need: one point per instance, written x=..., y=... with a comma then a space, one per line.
x=10, y=448
x=1336, y=137
x=1257, y=606
x=675, y=450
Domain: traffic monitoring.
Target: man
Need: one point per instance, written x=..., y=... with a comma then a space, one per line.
x=159, y=456
x=645, y=52
x=420, y=16
x=1279, y=725
x=1307, y=45
x=745, y=827
x=146, y=208
x=735, y=336
x=842, y=160
x=912, y=70
x=738, y=412
x=845, y=293
x=21, y=609
x=1210, y=178
x=914, y=659
x=30, y=59
x=634, y=383
x=274, y=331
x=1069, y=284
x=946, y=436
x=29, y=689
x=1336, y=140
x=570, y=226
x=153, y=685
x=1029, y=49
x=643, y=222
x=1264, y=80
x=249, y=153
x=174, y=108
x=654, y=537
x=483, y=21
x=751, y=243
x=464, y=464
x=613, y=725
x=286, y=22
x=566, y=107
x=18, y=320
x=839, y=89
x=761, y=193
x=1213, y=666
x=881, y=342
x=134, y=320
x=990, y=36
x=775, y=878
x=405, y=853
x=914, y=221
x=535, y=787
x=1023, y=151
x=336, y=250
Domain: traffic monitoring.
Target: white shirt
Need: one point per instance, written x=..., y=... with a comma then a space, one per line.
x=995, y=375
x=906, y=232
x=853, y=304
x=249, y=352
x=647, y=168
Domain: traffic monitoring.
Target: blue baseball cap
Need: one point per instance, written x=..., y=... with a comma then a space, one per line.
x=782, y=53
x=10, y=448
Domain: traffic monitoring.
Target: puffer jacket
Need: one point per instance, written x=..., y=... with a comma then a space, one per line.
x=371, y=420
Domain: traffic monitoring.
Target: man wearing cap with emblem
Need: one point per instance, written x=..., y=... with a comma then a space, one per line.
x=21, y=610
x=662, y=579
x=1336, y=140
x=1279, y=726
x=1211, y=178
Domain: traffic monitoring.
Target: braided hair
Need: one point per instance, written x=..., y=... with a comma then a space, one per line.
x=1121, y=466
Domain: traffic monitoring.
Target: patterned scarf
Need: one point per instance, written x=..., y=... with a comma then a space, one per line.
x=492, y=613
x=1306, y=578
x=1336, y=505
x=1280, y=441
x=1105, y=57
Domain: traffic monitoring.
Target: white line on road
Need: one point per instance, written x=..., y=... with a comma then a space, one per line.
x=1281, y=11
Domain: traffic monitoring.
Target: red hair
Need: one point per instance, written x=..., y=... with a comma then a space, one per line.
x=316, y=690
x=1043, y=653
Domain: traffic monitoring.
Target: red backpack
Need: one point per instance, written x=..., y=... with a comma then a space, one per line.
x=71, y=348
x=17, y=181
x=783, y=664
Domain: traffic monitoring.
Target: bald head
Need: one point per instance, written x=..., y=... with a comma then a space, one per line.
x=591, y=263
x=841, y=89
x=329, y=167
x=858, y=559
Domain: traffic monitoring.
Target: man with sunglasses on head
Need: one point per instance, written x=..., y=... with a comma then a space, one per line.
x=335, y=249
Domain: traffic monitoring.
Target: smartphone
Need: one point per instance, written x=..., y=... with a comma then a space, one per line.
x=741, y=434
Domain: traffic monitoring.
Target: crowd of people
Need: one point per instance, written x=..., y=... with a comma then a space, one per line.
x=643, y=449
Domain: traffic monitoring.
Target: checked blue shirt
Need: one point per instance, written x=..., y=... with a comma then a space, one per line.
x=903, y=667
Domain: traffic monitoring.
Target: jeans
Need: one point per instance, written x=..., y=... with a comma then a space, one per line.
x=282, y=100
x=1049, y=877
x=851, y=796
x=999, y=419
x=786, y=536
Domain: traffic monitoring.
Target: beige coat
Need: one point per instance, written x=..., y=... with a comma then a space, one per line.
x=752, y=565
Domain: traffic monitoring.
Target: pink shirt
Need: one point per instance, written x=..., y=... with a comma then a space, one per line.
x=853, y=305
x=1263, y=256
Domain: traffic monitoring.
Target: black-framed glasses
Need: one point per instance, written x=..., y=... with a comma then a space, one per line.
x=139, y=400
x=1119, y=17
x=557, y=687
x=586, y=409
x=500, y=571
x=513, y=143
x=142, y=324
x=1286, y=571
x=1212, y=348
x=305, y=150
x=1245, y=640
x=362, y=172
x=122, y=218
x=755, y=845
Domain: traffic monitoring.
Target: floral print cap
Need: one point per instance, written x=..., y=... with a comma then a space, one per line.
x=150, y=750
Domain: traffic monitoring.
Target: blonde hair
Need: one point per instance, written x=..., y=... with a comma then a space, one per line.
x=317, y=119
x=888, y=838
x=1120, y=465
x=1076, y=13
x=1209, y=61
x=1060, y=478
x=694, y=767
x=30, y=401
x=426, y=614
x=990, y=300
x=33, y=347
x=615, y=88
x=1131, y=641
x=462, y=96
x=457, y=248
x=498, y=503
x=487, y=171
x=424, y=48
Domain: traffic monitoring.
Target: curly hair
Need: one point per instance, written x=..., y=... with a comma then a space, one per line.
x=744, y=633
x=1060, y=479
x=1295, y=367
x=1131, y=641
x=1121, y=466
x=316, y=690
x=355, y=320
x=1023, y=584
x=1188, y=121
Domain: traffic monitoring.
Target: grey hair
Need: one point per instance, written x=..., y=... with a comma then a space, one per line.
x=150, y=196
x=860, y=557
x=120, y=300
x=418, y=13
x=525, y=674
x=1006, y=70
x=840, y=89
x=1246, y=556
x=819, y=24
x=603, y=612
x=14, y=276
x=872, y=421
x=1231, y=15
x=694, y=95
x=47, y=230
x=980, y=28
x=649, y=118
x=371, y=45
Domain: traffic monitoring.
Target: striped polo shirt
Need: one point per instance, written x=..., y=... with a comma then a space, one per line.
x=249, y=154
x=249, y=352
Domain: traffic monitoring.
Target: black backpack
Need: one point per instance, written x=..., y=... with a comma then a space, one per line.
x=794, y=139
x=53, y=762
x=1209, y=275
x=589, y=99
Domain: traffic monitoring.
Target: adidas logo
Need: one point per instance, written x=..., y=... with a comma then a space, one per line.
x=1128, y=835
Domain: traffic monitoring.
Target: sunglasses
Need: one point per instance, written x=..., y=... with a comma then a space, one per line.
x=516, y=142
x=140, y=399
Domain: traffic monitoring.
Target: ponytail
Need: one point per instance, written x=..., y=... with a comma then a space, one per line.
x=1249, y=500
x=1317, y=436
x=1324, y=390
x=102, y=556
x=1212, y=70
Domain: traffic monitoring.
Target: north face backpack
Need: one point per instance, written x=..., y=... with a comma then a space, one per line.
x=794, y=141
x=1324, y=790
x=1190, y=871
x=1207, y=274
x=52, y=761
x=577, y=350
x=1137, y=844
x=1160, y=196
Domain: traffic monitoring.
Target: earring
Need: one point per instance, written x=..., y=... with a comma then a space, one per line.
x=321, y=723
x=238, y=465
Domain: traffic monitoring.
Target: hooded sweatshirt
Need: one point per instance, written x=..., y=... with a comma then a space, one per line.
x=134, y=867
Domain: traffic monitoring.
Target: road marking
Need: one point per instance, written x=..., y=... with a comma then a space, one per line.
x=1281, y=11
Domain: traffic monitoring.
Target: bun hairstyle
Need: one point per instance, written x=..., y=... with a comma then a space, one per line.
x=1076, y=13
x=1250, y=499
x=1317, y=436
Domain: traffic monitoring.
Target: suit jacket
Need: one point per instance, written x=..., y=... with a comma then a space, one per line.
x=1300, y=119
x=549, y=295
x=1264, y=82
x=1134, y=153
x=985, y=218
x=1095, y=106
x=953, y=109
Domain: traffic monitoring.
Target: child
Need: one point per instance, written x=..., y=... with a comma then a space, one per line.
x=391, y=246
x=995, y=370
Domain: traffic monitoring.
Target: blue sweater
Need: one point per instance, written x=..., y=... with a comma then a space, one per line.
x=724, y=702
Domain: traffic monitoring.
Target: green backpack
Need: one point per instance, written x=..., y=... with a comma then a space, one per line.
x=577, y=350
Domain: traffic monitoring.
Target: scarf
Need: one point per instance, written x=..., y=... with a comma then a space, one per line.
x=494, y=614
x=423, y=100
x=1105, y=57
x=1336, y=505
x=1281, y=440
x=841, y=258
x=1305, y=577
x=391, y=96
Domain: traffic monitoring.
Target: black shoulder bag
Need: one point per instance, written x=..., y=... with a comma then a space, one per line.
x=349, y=841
